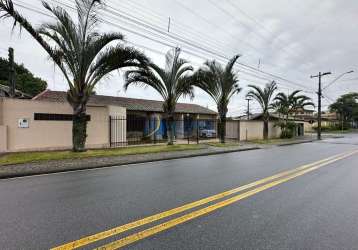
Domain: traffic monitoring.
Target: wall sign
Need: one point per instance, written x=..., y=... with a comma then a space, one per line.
x=23, y=123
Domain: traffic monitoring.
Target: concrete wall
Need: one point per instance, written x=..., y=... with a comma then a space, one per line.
x=3, y=138
x=49, y=135
x=250, y=130
x=232, y=130
x=274, y=131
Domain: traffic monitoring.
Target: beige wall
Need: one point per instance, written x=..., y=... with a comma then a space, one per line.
x=117, y=111
x=1, y=115
x=250, y=130
x=309, y=127
x=48, y=135
x=3, y=138
x=274, y=131
x=232, y=130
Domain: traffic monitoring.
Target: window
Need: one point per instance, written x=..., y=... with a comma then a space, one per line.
x=55, y=117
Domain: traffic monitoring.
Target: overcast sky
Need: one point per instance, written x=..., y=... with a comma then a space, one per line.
x=291, y=39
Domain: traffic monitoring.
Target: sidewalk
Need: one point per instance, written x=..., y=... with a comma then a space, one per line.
x=56, y=166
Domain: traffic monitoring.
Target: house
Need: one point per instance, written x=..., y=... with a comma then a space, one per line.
x=145, y=118
x=254, y=125
x=275, y=117
x=44, y=122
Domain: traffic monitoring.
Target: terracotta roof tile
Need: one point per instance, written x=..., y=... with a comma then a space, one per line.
x=131, y=104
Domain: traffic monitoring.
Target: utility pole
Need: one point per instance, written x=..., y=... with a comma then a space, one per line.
x=12, y=83
x=169, y=24
x=319, y=93
x=248, y=108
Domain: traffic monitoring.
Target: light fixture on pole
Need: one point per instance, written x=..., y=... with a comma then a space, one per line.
x=339, y=77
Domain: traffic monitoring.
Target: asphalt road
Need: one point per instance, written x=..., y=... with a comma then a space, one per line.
x=313, y=210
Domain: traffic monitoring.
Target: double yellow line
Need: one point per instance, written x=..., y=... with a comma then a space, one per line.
x=253, y=188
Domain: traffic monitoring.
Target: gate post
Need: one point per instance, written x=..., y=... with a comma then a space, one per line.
x=238, y=130
x=197, y=131
x=110, y=131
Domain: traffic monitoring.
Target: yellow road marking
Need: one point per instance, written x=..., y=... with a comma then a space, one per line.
x=120, y=229
x=174, y=222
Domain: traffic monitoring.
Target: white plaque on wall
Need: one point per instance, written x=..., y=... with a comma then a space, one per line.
x=23, y=123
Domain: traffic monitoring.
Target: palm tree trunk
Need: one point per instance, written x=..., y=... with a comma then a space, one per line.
x=222, y=128
x=170, y=129
x=79, y=129
x=265, y=132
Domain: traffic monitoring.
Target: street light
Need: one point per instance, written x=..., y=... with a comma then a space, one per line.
x=339, y=77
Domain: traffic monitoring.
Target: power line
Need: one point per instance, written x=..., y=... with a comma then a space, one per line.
x=220, y=7
x=183, y=27
x=250, y=68
x=189, y=52
x=189, y=29
x=263, y=27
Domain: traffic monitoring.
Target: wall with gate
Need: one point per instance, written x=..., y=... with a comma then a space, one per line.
x=48, y=134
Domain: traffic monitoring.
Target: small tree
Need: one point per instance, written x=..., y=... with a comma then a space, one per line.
x=82, y=53
x=263, y=97
x=221, y=83
x=171, y=82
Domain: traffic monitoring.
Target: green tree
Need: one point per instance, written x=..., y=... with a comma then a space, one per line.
x=25, y=80
x=346, y=107
x=171, y=82
x=263, y=97
x=83, y=54
x=221, y=83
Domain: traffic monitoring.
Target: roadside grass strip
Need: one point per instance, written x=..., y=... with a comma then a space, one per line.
x=263, y=184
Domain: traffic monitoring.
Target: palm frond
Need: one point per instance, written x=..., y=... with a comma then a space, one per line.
x=171, y=83
x=263, y=96
x=115, y=58
x=144, y=77
x=7, y=10
x=218, y=82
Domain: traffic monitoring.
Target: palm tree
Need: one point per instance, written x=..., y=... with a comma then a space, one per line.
x=171, y=82
x=263, y=97
x=221, y=83
x=82, y=53
x=289, y=104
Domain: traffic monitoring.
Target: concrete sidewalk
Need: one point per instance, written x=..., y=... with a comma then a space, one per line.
x=48, y=167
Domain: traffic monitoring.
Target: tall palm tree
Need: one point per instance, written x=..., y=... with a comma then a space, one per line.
x=289, y=104
x=263, y=97
x=83, y=54
x=171, y=82
x=221, y=83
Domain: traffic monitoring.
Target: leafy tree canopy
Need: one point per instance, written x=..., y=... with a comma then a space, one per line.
x=25, y=80
x=346, y=106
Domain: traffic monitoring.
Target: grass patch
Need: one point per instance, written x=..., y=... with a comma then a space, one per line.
x=223, y=145
x=30, y=157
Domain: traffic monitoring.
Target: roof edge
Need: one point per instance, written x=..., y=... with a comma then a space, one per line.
x=40, y=94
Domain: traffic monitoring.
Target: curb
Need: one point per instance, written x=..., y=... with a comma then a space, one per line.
x=295, y=143
x=54, y=171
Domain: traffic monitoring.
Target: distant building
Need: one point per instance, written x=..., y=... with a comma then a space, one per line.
x=5, y=92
